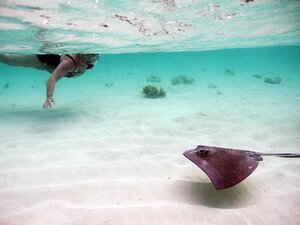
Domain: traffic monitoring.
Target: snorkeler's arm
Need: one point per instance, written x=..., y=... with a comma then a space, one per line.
x=61, y=70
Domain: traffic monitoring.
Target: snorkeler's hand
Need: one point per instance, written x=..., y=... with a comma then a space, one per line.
x=48, y=103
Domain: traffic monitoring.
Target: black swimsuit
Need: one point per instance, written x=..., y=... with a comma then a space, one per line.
x=51, y=61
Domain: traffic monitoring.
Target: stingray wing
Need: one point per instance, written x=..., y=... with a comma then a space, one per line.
x=225, y=167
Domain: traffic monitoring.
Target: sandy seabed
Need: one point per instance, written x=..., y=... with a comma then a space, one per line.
x=110, y=156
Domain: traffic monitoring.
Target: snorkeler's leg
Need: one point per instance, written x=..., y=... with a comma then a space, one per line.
x=21, y=60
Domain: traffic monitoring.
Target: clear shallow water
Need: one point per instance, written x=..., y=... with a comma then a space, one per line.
x=118, y=76
x=106, y=153
x=101, y=148
x=111, y=94
x=141, y=26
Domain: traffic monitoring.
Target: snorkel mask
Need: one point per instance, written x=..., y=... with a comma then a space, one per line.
x=91, y=60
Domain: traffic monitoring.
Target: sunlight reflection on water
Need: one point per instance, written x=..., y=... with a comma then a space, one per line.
x=143, y=26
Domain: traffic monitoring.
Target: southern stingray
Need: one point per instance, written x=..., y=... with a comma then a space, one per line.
x=227, y=167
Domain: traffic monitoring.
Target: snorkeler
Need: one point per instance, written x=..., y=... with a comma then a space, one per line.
x=59, y=66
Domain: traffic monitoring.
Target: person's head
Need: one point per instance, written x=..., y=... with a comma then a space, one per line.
x=90, y=59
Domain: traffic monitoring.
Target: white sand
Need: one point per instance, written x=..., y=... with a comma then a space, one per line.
x=117, y=158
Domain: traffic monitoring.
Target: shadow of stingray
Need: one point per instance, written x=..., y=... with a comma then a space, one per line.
x=205, y=194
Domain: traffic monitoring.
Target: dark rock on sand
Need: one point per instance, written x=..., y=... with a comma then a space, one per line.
x=212, y=86
x=6, y=86
x=275, y=80
x=109, y=84
x=201, y=114
x=182, y=80
x=153, y=79
x=153, y=92
x=258, y=76
x=219, y=93
x=229, y=72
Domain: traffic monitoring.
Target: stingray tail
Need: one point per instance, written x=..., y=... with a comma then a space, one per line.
x=283, y=155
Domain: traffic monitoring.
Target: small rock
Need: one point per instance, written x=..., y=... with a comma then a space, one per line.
x=201, y=114
x=219, y=93
x=182, y=80
x=153, y=79
x=275, y=80
x=229, y=72
x=109, y=84
x=153, y=92
x=212, y=86
x=6, y=86
x=258, y=76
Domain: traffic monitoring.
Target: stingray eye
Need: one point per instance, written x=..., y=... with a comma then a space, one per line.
x=202, y=153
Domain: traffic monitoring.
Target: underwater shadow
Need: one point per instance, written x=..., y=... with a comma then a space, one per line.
x=41, y=116
x=205, y=194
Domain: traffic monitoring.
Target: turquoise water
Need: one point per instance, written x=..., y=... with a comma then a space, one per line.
x=23, y=87
x=115, y=86
x=105, y=154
